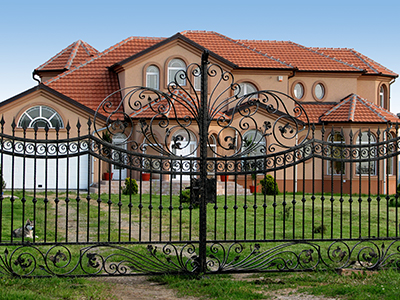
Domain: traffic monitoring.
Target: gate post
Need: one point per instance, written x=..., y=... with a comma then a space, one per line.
x=203, y=134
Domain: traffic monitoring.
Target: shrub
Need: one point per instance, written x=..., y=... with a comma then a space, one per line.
x=131, y=187
x=393, y=203
x=185, y=198
x=269, y=185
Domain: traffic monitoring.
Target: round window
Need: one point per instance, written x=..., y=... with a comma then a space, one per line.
x=298, y=91
x=319, y=91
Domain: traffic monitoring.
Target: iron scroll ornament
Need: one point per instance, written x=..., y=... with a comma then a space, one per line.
x=230, y=114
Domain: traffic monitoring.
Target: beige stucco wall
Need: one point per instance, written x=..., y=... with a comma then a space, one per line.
x=337, y=85
x=68, y=112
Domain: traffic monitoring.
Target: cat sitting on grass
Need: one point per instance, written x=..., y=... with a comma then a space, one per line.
x=26, y=231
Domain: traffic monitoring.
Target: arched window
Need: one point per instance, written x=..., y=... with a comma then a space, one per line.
x=175, y=68
x=245, y=88
x=382, y=96
x=336, y=166
x=40, y=115
x=197, y=79
x=153, y=77
x=367, y=150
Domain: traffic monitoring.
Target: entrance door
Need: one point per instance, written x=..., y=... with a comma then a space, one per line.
x=187, y=148
x=118, y=172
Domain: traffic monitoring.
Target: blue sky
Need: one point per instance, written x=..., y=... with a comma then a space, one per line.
x=33, y=31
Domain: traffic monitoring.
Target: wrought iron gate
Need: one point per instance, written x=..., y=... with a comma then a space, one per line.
x=337, y=206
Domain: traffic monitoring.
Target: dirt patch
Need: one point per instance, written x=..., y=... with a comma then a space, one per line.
x=139, y=287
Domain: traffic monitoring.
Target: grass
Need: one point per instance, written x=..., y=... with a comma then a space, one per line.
x=377, y=285
x=12, y=288
x=266, y=220
x=381, y=285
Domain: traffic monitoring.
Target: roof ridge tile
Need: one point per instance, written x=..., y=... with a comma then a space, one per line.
x=101, y=54
x=332, y=58
x=73, y=53
x=373, y=61
x=55, y=56
x=363, y=60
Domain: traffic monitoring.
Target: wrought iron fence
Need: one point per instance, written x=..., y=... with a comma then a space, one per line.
x=226, y=191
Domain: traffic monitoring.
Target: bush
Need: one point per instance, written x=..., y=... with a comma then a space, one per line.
x=185, y=198
x=269, y=185
x=131, y=187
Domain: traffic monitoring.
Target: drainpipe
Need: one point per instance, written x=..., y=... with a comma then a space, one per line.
x=390, y=83
x=33, y=76
x=291, y=76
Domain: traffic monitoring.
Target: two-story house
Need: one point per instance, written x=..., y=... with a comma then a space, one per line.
x=339, y=88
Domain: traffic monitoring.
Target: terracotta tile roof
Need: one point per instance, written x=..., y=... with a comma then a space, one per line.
x=353, y=108
x=301, y=57
x=315, y=110
x=89, y=83
x=234, y=51
x=89, y=79
x=75, y=54
x=183, y=106
x=353, y=57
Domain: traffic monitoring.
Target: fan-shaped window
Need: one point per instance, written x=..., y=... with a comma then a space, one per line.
x=336, y=166
x=152, y=77
x=245, y=88
x=367, y=150
x=42, y=116
x=176, y=68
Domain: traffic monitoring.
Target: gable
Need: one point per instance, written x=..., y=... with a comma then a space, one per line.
x=69, y=110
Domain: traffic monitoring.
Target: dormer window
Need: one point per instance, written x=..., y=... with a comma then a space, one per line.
x=176, y=68
x=153, y=77
x=42, y=116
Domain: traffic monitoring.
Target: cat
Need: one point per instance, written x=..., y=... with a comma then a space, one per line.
x=26, y=231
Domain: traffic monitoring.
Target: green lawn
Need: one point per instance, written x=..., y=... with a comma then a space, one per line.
x=265, y=221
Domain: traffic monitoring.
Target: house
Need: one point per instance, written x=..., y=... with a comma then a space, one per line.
x=339, y=88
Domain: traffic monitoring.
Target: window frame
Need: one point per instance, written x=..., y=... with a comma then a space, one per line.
x=261, y=142
x=40, y=117
x=371, y=141
x=177, y=69
x=244, y=89
x=156, y=74
x=337, y=165
x=293, y=90
x=314, y=94
x=383, y=95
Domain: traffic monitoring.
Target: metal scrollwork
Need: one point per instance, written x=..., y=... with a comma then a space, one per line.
x=167, y=119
